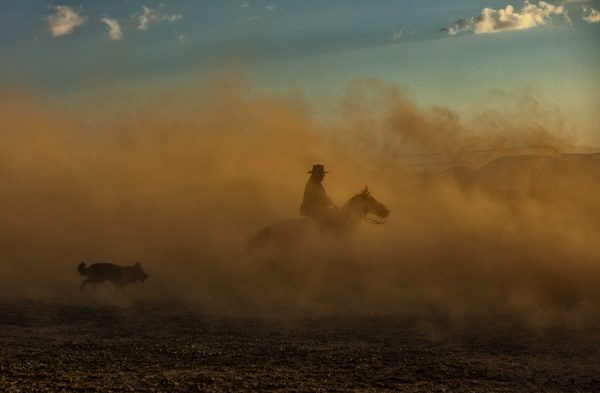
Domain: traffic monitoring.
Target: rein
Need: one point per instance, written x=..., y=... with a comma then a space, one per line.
x=371, y=220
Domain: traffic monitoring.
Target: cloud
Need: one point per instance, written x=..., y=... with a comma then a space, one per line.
x=114, y=29
x=64, y=20
x=150, y=16
x=591, y=15
x=181, y=37
x=492, y=20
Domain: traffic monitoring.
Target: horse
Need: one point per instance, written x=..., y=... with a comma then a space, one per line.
x=336, y=221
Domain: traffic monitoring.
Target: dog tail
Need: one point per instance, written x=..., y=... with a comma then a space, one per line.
x=82, y=269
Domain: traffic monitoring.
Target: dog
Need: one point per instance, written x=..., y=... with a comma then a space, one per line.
x=121, y=276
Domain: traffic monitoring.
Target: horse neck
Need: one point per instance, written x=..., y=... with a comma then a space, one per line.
x=353, y=208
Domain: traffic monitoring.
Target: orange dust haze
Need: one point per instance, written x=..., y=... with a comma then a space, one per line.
x=182, y=181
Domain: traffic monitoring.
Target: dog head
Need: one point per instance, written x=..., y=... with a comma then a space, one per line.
x=138, y=273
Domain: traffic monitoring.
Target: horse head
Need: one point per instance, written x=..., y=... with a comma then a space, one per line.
x=363, y=204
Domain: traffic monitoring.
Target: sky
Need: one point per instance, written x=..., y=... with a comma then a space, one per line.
x=453, y=53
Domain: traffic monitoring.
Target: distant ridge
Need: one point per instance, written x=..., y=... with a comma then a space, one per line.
x=557, y=172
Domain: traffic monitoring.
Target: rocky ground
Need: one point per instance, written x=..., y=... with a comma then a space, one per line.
x=165, y=348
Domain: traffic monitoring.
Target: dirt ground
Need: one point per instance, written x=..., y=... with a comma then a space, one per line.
x=54, y=347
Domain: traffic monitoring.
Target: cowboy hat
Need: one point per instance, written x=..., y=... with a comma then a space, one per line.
x=318, y=169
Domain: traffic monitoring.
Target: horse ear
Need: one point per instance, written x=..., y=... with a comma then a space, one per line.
x=366, y=190
x=137, y=264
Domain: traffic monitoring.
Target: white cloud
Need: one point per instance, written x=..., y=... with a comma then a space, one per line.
x=492, y=21
x=114, y=28
x=150, y=16
x=270, y=7
x=591, y=15
x=64, y=20
x=245, y=4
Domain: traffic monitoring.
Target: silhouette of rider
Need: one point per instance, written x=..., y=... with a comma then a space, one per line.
x=316, y=204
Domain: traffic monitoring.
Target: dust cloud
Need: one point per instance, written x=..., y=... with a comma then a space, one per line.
x=181, y=182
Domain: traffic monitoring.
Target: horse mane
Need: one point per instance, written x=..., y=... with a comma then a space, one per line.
x=352, y=199
x=352, y=202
